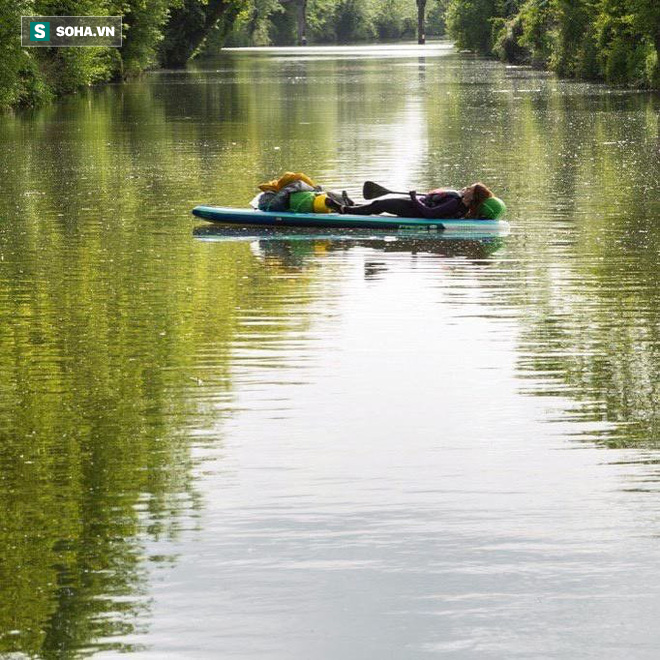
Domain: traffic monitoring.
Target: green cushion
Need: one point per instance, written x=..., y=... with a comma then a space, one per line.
x=492, y=209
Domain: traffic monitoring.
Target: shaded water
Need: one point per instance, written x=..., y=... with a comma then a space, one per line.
x=307, y=447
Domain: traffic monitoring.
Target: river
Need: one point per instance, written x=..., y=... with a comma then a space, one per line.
x=315, y=447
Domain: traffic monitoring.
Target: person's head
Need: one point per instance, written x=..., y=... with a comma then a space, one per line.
x=481, y=202
x=474, y=196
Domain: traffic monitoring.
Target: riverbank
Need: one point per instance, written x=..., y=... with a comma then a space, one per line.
x=166, y=33
x=615, y=43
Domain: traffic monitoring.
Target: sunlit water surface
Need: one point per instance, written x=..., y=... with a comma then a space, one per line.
x=317, y=447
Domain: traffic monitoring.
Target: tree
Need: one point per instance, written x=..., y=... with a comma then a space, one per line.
x=190, y=24
x=353, y=21
x=421, y=11
x=469, y=23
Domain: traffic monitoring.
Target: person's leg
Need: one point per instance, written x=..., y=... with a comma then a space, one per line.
x=339, y=199
x=401, y=206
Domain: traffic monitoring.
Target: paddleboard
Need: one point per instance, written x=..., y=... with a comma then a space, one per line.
x=246, y=217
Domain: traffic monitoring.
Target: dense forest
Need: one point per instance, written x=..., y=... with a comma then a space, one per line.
x=616, y=41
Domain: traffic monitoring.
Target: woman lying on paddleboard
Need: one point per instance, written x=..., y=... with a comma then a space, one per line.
x=475, y=201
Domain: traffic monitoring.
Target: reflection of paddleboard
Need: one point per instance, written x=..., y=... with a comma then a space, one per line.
x=218, y=232
x=265, y=240
x=336, y=221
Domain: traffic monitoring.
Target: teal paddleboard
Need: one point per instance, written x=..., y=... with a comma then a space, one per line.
x=247, y=217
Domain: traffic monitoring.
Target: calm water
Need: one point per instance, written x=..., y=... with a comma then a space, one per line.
x=318, y=448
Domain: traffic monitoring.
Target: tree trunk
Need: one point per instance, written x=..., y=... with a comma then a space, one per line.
x=656, y=81
x=421, y=11
x=302, y=22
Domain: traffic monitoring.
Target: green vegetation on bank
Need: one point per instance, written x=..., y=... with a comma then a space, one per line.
x=286, y=22
x=156, y=32
x=617, y=41
x=168, y=33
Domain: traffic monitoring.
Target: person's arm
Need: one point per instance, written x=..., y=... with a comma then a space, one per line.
x=448, y=208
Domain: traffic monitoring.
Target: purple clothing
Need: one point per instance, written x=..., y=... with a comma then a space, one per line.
x=440, y=204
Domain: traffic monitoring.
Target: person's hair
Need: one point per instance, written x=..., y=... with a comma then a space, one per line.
x=480, y=195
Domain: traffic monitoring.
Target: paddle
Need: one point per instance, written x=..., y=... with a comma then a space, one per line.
x=371, y=190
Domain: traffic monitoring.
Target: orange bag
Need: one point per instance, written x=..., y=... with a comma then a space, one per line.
x=288, y=177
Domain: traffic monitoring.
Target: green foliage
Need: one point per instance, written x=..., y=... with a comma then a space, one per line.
x=525, y=35
x=535, y=21
x=283, y=27
x=29, y=76
x=144, y=21
x=192, y=23
x=435, y=18
x=652, y=69
x=253, y=26
x=320, y=20
x=623, y=50
x=395, y=19
x=617, y=41
x=613, y=40
x=269, y=22
x=469, y=23
x=19, y=80
x=259, y=26
x=352, y=21
x=507, y=40
x=67, y=70
x=573, y=29
x=223, y=33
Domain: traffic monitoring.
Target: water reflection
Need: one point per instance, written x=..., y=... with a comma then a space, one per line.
x=373, y=411
x=290, y=249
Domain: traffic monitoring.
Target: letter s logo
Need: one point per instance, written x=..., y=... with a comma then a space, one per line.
x=39, y=31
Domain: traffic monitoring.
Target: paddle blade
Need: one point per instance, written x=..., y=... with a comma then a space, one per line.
x=371, y=190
